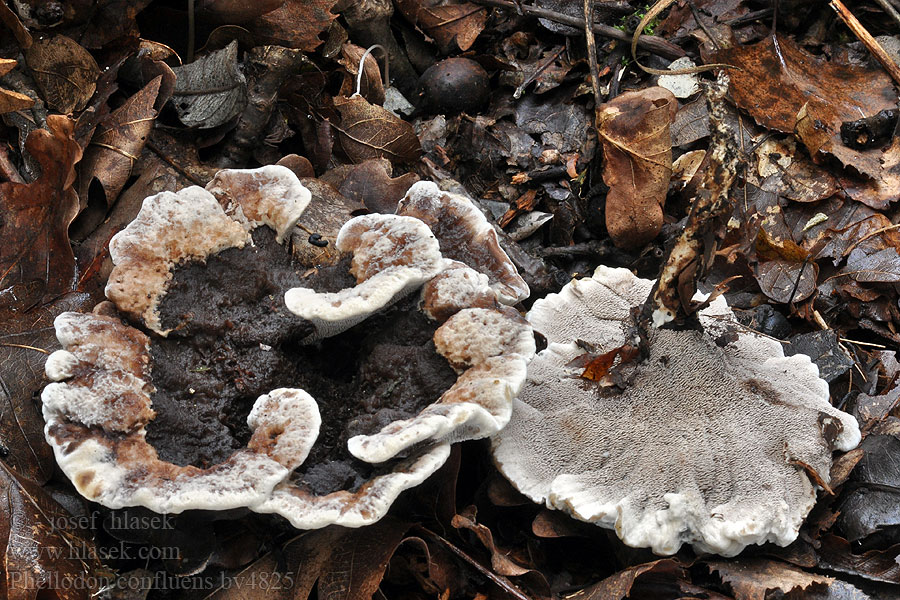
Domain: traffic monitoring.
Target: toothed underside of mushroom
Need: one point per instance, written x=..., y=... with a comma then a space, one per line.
x=466, y=236
x=193, y=224
x=392, y=256
x=704, y=446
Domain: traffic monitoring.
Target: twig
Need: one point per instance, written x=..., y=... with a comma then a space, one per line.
x=889, y=9
x=653, y=44
x=7, y=168
x=866, y=38
x=657, y=8
x=592, y=51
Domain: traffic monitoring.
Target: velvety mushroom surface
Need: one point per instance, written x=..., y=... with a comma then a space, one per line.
x=708, y=441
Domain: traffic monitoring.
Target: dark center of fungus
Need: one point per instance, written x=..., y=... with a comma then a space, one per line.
x=235, y=340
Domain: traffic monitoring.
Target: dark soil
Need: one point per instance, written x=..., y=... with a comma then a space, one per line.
x=235, y=341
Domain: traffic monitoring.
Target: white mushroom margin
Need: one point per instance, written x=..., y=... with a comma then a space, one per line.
x=707, y=445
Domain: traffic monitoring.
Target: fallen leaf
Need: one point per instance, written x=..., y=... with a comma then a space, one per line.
x=785, y=171
x=36, y=259
x=878, y=267
x=784, y=281
x=637, y=162
x=786, y=89
x=625, y=582
x=117, y=143
x=295, y=24
x=12, y=101
x=312, y=243
x=65, y=73
x=752, y=578
x=371, y=84
x=369, y=131
x=878, y=565
x=370, y=183
x=111, y=19
x=880, y=191
x=824, y=349
x=500, y=561
x=873, y=501
x=211, y=90
x=45, y=546
x=447, y=21
x=223, y=12
x=25, y=341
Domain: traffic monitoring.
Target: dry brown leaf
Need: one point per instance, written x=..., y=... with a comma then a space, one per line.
x=65, y=73
x=620, y=585
x=12, y=101
x=446, y=21
x=46, y=547
x=371, y=85
x=36, y=259
x=295, y=24
x=500, y=561
x=370, y=183
x=751, y=578
x=787, y=89
x=637, y=162
x=369, y=131
x=223, y=12
x=117, y=143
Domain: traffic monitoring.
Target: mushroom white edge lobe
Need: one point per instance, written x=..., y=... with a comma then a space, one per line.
x=333, y=509
x=334, y=312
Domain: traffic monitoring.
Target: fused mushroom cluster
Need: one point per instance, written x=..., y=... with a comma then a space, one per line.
x=708, y=443
x=99, y=405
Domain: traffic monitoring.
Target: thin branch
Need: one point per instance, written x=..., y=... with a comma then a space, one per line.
x=653, y=44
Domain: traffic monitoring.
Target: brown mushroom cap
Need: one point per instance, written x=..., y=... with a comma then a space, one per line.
x=707, y=444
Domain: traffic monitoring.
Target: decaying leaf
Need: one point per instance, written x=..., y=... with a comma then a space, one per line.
x=752, y=578
x=500, y=561
x=447, y=21
x=36, y=260
x=637, y=162
x=117, y=143
x=628, y=582
x=785, y=281
x=787, y=89
x=371, y=84
x=878, y=267
x=211, y=90
x=12, y=101
x=45, y=546
x=295, y=24
x=371, y=184
x=369, y=131
x=65, y=73
x=873, y=502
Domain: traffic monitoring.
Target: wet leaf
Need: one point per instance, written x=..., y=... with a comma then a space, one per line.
x=881, y=267
x=36, y=260
x=825, y=350
x=369, y=131
x=234, y=11
x=45, y=546
x=785, y=281
x=118, y=141
x=785, y=88
x=447, y=21
x=295, y=24
x=753, y=578
x=65, y=73
x=211, y=90
x=637, y=162
x=313, y=245
x=873, y=503
x=371, y=84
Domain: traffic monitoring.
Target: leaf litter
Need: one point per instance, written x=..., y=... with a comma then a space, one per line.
x=810, y=254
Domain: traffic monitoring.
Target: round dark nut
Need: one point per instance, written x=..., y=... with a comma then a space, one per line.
x=454, y=85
